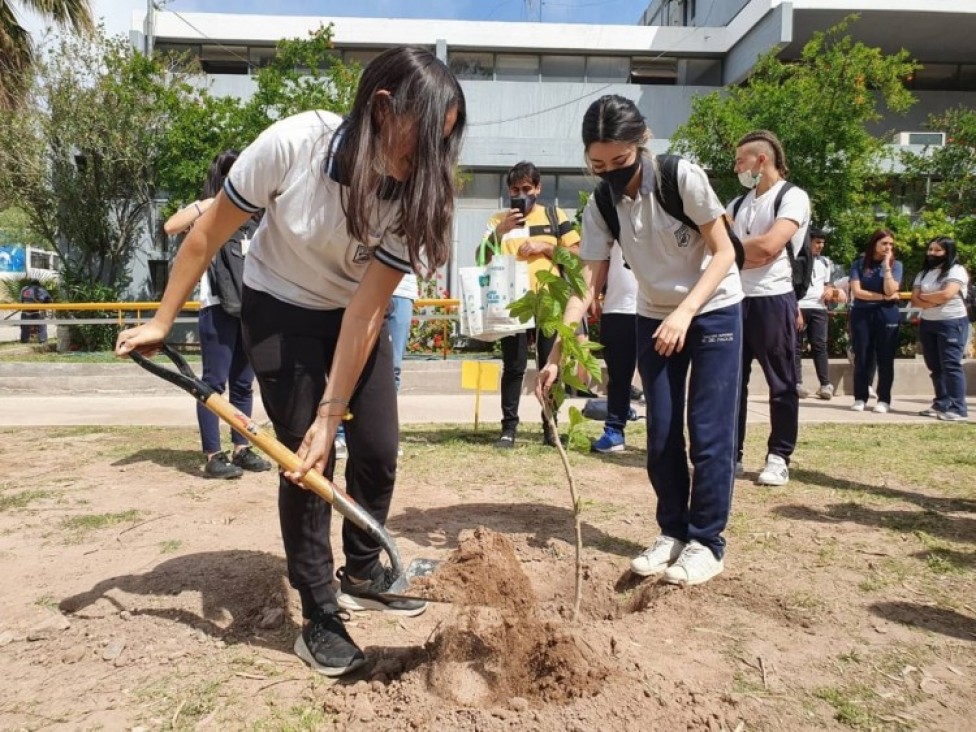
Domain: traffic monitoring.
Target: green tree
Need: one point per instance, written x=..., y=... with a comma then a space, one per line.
x=304, y=74
x=79, y=156
x=950, y=171
x=17, y=54
x=820, y=107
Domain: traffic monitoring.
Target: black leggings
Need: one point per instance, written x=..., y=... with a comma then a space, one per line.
x=291, y=349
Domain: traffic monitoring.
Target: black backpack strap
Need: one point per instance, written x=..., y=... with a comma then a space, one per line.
x=604, y=203
x=737, y=204
x=776, y=204
x=667, y=192
x=553, y=217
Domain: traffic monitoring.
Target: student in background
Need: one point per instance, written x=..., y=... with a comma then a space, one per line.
x=813, y=318
x=221, y=341
x=875, y=281
x=944, y=328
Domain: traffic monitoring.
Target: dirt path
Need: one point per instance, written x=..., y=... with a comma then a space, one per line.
x=137, y=595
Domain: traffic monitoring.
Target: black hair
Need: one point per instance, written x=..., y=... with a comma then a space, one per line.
x=949, y=245
x=219, y=168
x=770, y=139
x=815, y=233
x=613, y=118
x=422, y=89
x=524, y=171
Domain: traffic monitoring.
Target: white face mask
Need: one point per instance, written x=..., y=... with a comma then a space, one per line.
x=749, y=179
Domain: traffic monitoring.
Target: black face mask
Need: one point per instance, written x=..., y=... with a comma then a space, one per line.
x=932, y=260
x=619, y=179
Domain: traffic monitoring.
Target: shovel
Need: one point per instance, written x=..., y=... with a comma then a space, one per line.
x=313, y=480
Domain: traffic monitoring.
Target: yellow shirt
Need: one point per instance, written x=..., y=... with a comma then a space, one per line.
x=537, y=226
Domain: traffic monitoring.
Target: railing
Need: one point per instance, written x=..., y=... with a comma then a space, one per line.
x=135, y=313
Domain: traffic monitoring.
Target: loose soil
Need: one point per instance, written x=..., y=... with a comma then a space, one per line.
x=138, y=596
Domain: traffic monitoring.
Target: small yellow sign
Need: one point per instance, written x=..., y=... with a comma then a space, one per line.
x=479, y=376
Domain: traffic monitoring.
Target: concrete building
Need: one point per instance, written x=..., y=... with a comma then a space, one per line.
x=528, y=84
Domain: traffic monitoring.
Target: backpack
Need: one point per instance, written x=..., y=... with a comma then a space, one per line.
x=226, y=271
x=969, y=298
x=669, y=198
x=801, y=263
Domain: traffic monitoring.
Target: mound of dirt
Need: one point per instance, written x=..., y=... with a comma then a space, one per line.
x=497, y=646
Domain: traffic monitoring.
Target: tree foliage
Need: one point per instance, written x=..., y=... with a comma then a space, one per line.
x=820, y=107
x=304, y=74
x=17, y=54
x=79, y=156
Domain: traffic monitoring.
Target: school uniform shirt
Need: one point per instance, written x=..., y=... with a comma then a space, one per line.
x=872, y=280
x=537, y=226
x=666, y=256
x=756, y=217
x=301, y=253
x=932, y=281
x=822, y=267
x=621, y=295
x=407, y=287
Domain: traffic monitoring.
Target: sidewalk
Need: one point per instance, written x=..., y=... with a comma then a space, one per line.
x=178, y=410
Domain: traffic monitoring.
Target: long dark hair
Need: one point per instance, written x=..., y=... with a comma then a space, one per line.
x=949, y=245
x=219, y=168
x=421, y=88
x=867, y=254
x=613, y=118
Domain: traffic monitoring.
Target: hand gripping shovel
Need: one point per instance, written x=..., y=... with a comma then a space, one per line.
x=313, y=481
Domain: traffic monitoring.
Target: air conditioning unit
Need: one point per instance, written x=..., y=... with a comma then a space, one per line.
x=932, y=139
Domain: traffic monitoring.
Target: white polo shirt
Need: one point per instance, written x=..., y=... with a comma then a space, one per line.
x=665, y=255
x=929, y=282
x=813, y=300
x=302, y=253
x=756, y=217
x=621, y=295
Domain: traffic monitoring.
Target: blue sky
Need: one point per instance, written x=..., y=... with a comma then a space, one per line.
x=626, y=12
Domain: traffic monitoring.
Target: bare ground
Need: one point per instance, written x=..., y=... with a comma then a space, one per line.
x=137, y=595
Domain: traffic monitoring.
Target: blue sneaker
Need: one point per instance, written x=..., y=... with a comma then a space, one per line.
x=611, y=441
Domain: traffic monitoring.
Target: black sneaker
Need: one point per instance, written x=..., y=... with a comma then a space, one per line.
x=325, y=645
x=506, y=441
x=221, y=468
x=365, y=594
x=249, y=460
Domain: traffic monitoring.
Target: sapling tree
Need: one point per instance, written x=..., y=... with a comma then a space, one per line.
x=546, y=305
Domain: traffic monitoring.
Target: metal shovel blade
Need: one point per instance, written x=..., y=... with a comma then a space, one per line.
x=400, y=588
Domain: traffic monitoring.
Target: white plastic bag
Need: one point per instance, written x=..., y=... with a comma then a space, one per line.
x=486, y=293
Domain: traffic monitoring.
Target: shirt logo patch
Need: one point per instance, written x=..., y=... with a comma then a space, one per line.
x=683, y=235
x=363, y=254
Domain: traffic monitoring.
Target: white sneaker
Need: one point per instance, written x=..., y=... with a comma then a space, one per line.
x=656, y=558
x=930, y=412
x=695, y=566
x=802, y=391
x=872, y=394
x=826, y=392
x=882, y=408
x=858, y=405
x=776, y=471
x=952, y=417
x=339, y=447
x=740, y=469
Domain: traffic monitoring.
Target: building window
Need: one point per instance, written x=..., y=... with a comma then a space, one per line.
x=480, y=190
x=568, y=188
x=516, y=67
x=224, y=59
x=607, y=69
x=261, y=56
x=467, y=65
x=360, y=57
x=967, y=78
x=653, y=71
x=936, y=77
x=563, y=68
x=158, y=276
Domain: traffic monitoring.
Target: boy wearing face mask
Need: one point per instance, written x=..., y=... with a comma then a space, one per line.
x=525, y=231
x=769, y=311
